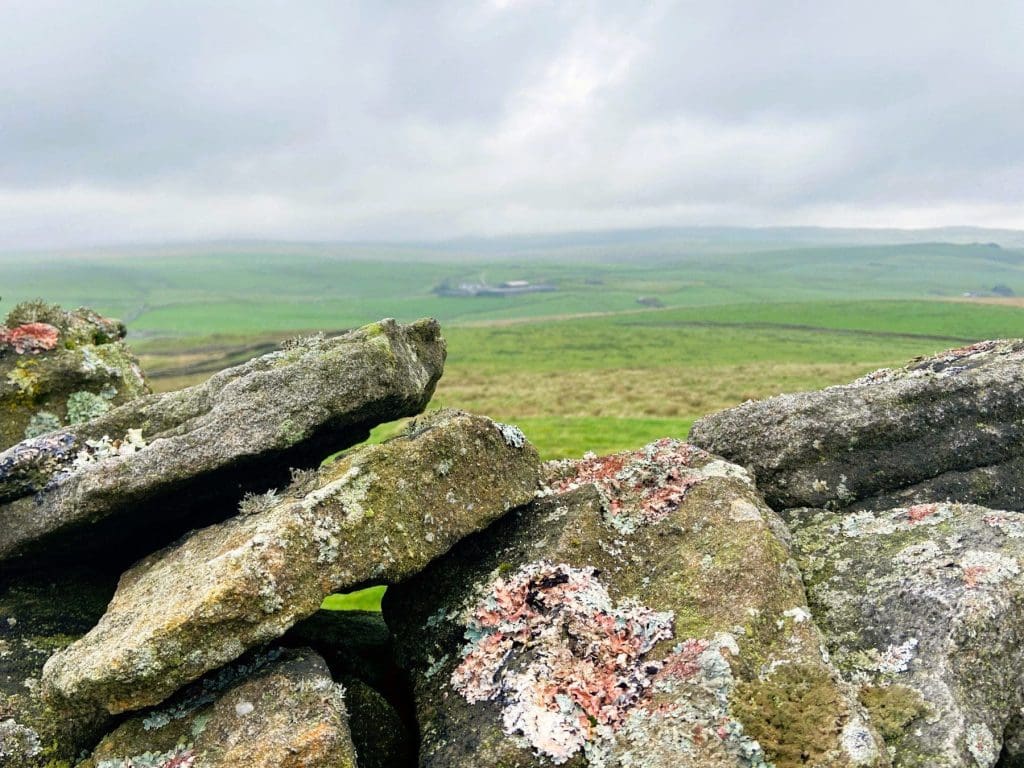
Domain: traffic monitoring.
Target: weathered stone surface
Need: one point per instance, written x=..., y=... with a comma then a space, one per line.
x=381, y=738
x=923, y=607
x=163, y=460
x=279, y=710
x=944, y=427
x=355, y=645
x=647, y=613
x=378, y=514
x=59, y=367
x=41, y=613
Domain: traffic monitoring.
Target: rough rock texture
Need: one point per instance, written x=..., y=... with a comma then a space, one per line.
x=59, y=367
x=944, y=427
x=193, y=452
x=379, y=734
x=279, y=710
x=646, y=613
x=357, y=647
x=41, y=613
x=923, y=607
x=380, y=513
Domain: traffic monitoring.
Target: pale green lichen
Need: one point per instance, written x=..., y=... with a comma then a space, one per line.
x=41, y=423
x=85, y=406
x=17, y=741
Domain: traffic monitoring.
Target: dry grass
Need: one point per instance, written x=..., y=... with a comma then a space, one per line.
x=670, y=392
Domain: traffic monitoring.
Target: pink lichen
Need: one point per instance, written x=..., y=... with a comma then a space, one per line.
x=981, y=568
x=640, y=487
x=971, y=349
x=549, y=643
x=919, y=512
x=30, y=337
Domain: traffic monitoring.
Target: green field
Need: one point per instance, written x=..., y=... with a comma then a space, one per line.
x=584, y=368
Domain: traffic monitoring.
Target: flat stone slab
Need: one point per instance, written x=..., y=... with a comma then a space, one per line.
x=378, y=514
x=923, y=609
x=167, y=462
x=59, y=367
x=279, y=710
x=646, y=612
x=944, y=427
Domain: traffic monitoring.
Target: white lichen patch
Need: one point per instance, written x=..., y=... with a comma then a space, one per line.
x=743, y=511
x=858, y=743
x=349, y=490
x=96, y=451
x=566, y=663
x=798, y=614
x=895, y=659
x=982, y=745
x=915, y=555
x=982, y=568
x=181, y=756
x=866, y=524
x=903, y=519
x=1010, y=523
x=512, y=435
x=17, y=742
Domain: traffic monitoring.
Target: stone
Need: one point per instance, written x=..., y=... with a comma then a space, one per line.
x=355, y=645
x=153, y=468
x=60, y=367
x=281, y=709
x=644, y=612
x=40, y=613
x=948, y=427
x=376, y=515
x=923, y=609
x=381, y=738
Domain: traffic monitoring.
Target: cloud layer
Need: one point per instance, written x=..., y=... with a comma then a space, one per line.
x=350, y=120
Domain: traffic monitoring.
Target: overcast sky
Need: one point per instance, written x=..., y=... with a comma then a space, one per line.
x=125, y=120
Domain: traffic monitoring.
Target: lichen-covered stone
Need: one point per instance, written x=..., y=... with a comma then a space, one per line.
x=944, y=427
x=645, y=612
x=278, y=710
x=923, y=607
x=377, y=514
x=166, y=462
x=40, y=613
x=355, y=645
x=60, y=367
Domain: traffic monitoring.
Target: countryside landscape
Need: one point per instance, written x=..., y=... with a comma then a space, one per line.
x=645, y=332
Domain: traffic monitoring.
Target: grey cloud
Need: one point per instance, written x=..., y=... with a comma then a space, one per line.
x=320, y=119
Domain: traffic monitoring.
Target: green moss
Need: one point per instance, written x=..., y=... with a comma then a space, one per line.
x=794, y=714
x=892, y=708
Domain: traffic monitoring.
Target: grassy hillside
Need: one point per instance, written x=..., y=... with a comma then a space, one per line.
x=585, y=367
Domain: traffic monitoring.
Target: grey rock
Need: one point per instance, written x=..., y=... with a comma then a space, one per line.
x=378, y=514
x=59, y=367
x=645, y=612
x=277, y=710
x=167, y=462
x=923, y=608
x=40, y=613
x=945, y=427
